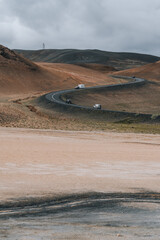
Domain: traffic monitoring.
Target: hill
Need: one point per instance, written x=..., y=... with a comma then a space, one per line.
x=149, y=71
x=22, y=81
x=144, y=99
x=20, y=75
x=119, y=61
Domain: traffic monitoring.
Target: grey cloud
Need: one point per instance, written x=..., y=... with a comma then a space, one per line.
x=113, y=25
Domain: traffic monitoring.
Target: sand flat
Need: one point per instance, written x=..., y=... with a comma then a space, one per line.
x=40, y=162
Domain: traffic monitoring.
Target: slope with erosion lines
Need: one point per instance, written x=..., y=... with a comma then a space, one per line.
x=19, y=75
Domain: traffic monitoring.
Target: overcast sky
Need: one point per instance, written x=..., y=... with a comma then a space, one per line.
x=112, y=25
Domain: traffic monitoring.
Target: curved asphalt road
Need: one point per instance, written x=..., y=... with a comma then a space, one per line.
x=55, y=97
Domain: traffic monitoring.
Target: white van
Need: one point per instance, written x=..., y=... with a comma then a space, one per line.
x=97, y=106
x=80, y=86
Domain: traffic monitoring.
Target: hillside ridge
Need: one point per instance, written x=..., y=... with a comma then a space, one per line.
x=11, y=57
x=120, y=61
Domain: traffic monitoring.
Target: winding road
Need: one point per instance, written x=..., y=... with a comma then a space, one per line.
x=59, y=101
x=56, y=97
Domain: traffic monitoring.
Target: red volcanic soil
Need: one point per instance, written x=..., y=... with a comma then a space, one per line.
x=149, y=71
x=20, y=75
x=144, y=99
x=98, y=67
x=21, y=81
x=71, y=75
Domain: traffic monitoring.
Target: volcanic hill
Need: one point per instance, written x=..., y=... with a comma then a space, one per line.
x=22, y=81
x=20, y=75
x=149, y=72
x=120, y=61
x=142, y=99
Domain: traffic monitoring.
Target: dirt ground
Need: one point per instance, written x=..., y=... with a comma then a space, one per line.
x=43, y=162
x=144, y=99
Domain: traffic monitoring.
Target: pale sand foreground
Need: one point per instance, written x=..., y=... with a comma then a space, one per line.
x=38, y=162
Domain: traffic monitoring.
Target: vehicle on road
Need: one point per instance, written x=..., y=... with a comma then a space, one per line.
x=79, y=86
x=68, y=101
x=97, y=106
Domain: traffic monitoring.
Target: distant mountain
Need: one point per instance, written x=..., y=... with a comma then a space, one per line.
x=119, y=61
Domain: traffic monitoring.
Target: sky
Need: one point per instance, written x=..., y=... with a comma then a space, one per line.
x=111, y=25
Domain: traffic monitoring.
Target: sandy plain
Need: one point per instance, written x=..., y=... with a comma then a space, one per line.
x=37, y=162
x=78, y=185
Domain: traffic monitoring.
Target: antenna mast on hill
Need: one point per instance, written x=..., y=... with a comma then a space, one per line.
x=43, y=46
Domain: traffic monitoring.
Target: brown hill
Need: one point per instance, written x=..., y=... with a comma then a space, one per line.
x=149, y=72
x=98, y=67
x=21, y=81
x=20, y=75
x=144, y=99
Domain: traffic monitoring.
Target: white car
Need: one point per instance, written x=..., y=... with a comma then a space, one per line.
x=80, y=86
x=97, y=106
